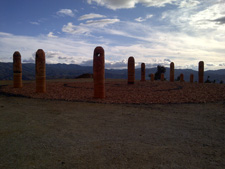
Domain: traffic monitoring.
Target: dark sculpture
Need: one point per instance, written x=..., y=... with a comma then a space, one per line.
x=99, y=72
x=160, y=69
x=181, y=77
x=172, y=72
x=131, y=70
x=191, y=78
x=143, y=72
x=152, y=77
x=201, y=72
x=40, y=71
x=17, y=70
x=162, y=77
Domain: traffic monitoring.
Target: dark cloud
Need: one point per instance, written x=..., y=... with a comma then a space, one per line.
x=108, y=65
x=87, y=63
x=209, y=64
x=30, y=60
x=50, y=55
x=116, y=65
x=62, y=58
x=222, y=64
x=152, y=65
x=167, y=60
x=219, y=20
x=72, y=62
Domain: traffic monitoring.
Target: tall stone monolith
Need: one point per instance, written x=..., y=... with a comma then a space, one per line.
x=131, y=70
x=143, y=72
x=201, y=72
x=181, y=77
x=152, y=77
x=99, y=72
x=40, y=71
x=162, y=77
x=17, y=70
x=171, y=72
x=191, y=78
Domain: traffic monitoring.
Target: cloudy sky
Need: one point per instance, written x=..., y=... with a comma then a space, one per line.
x=153, y=31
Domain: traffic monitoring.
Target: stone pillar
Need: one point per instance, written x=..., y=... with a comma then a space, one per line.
x=131, y=70
x=191, y=78
x=201, y=72
x=17, y=70
x=99, y=72
x=172, y=72
x=162, y=77
x=142, y=72
x=152, y=77
x=40, y=71
x=181, y=77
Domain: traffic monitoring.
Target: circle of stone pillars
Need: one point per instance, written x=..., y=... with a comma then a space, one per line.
x=143, y=72
x=162, y=77
x=99, y=72
x=181, y=77
x=17, y=70
x=131, y=70
x=201, y=72
x=152, y=77
x=40, y=71
x=191, y=78
x=171, y=72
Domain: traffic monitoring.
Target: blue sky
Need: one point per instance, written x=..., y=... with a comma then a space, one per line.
x=154, y=32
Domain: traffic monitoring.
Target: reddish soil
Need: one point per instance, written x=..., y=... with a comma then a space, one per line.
x=119, y=91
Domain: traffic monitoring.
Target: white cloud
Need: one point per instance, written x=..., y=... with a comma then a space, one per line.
x=51, y=35
x=119, y=4
x=177, y=47
x=102, y=22
x=187, y=36
x=140, y=19
x=70, y=50
x=88, y=27
x=202, y=19
x=189, y=3
x=73, y=29
x=4, y=34
x=65, y=12
x=29, y=60
x=91, y=16
x=35, y=23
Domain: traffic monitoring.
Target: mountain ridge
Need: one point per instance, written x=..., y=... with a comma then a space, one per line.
x=71, y=71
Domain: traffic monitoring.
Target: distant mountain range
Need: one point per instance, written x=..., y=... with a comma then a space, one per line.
x=59, y=71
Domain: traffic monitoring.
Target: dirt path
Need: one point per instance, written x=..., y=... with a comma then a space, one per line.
x=41, y=134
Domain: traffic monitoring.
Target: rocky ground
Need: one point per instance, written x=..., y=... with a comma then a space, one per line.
x=118, y=91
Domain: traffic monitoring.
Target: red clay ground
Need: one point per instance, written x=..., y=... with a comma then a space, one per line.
x=118, y=91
